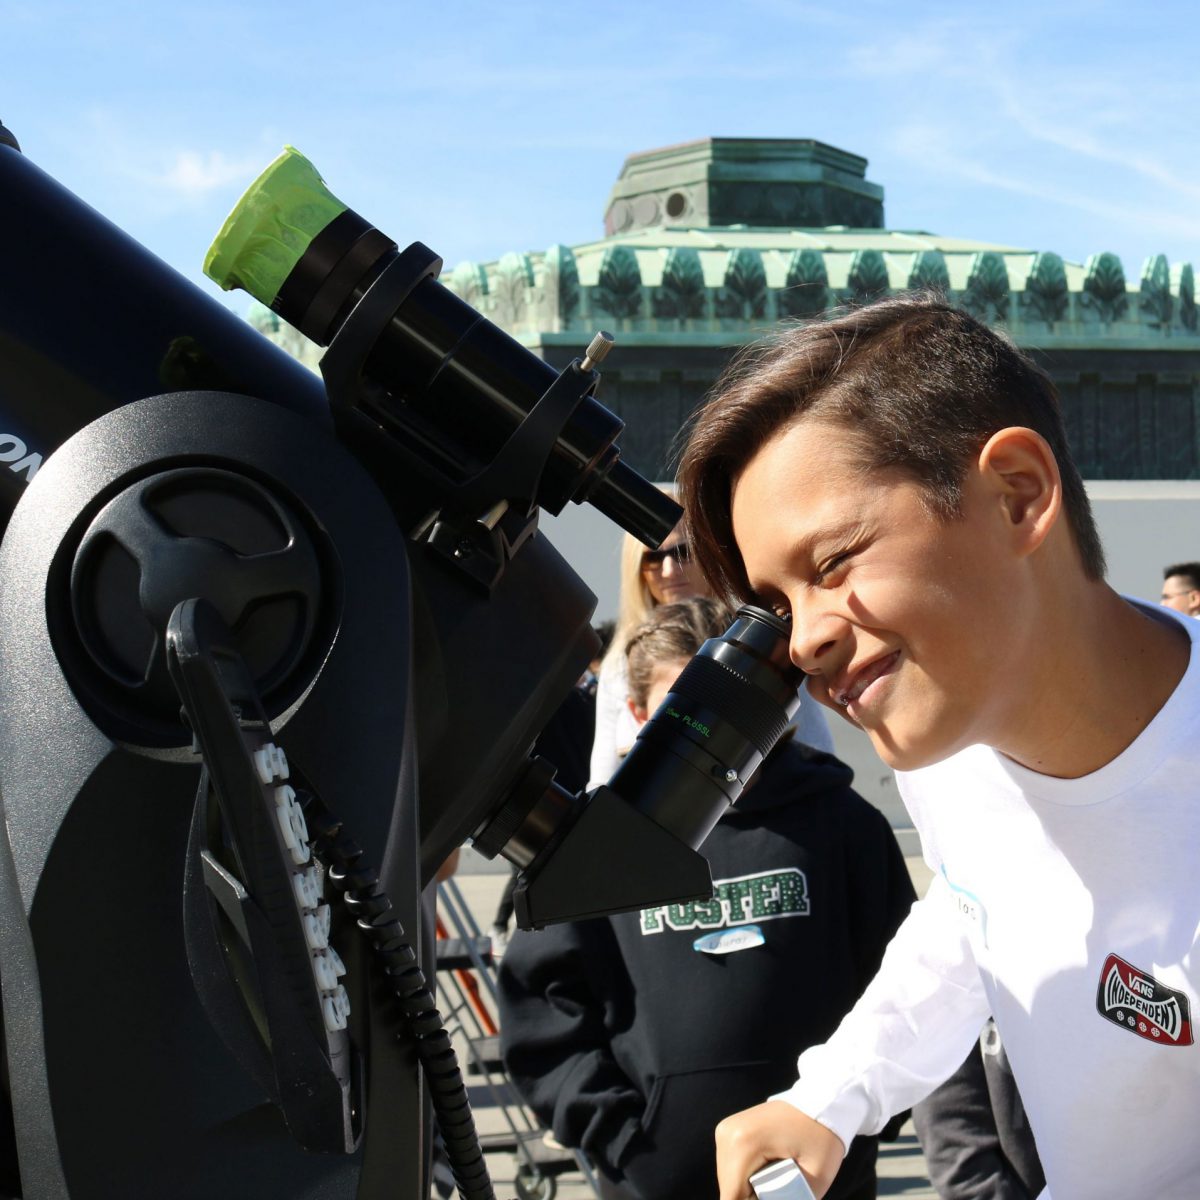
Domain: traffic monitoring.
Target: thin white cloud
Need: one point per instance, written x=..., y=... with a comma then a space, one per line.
x=934, y=146
x=945, y=49
x=981, y=102
x=168, y=177
x=1100, y=145
x=195, y=172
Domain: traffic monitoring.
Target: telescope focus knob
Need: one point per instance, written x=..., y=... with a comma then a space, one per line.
x=598, y=349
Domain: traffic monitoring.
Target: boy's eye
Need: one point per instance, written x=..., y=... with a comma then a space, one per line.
x=779, y=607
x=830, y=567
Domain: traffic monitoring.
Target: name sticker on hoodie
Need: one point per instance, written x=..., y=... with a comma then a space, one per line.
x=729, y=941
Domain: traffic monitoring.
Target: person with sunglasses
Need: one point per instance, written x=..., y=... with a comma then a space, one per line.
x=650, y=578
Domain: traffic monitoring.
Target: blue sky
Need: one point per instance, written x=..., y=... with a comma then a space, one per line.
x=481, y=128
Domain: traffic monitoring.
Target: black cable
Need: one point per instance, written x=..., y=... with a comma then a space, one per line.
x=376, y=919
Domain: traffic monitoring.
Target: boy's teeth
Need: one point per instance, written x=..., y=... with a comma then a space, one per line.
x=863, y=682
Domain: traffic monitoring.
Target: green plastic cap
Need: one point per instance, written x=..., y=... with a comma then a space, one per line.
x=271, y=227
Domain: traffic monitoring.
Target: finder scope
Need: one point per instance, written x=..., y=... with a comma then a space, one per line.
x=446, y=380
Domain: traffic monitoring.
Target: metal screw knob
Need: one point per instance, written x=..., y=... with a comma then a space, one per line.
x=597, y=349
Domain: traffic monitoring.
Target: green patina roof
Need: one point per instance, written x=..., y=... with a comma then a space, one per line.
x=836, y=244
x=770, y=182
x=694, y=281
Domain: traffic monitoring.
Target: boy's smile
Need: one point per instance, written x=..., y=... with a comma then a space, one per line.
x=905, y=621
x=853, y=695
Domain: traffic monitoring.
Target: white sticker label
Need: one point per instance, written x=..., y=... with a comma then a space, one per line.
x=729, y=941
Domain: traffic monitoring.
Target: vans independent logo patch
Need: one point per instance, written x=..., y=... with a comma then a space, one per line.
x=1138, y=1002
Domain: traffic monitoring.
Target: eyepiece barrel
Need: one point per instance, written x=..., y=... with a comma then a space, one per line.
x=724, y=714
x=722, y=717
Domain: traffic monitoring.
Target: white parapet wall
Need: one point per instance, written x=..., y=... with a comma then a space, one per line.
x=1146, y=524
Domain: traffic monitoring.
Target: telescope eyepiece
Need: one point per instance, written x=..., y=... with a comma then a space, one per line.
x=722, y=717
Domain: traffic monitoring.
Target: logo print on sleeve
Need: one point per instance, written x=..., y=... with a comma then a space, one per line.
x=1138, y=1002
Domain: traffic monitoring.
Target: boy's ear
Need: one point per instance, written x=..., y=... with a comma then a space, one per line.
x=1020, y=469
x=640, y=713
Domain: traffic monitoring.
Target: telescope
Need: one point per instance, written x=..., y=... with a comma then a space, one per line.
x=272, y=645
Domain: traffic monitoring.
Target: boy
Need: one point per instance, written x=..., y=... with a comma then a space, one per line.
x=633, y=1035
x=896, y=482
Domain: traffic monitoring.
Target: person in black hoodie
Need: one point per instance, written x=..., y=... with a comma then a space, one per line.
x=631, y=1036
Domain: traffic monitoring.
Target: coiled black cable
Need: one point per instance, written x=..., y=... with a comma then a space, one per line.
x=376, y=919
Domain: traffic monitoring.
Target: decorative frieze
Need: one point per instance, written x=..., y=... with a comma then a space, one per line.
x=806, y=289
x=711, y=288
x=986, y=296
x=744, y=294
x=1104, y=288
x=682, y=295
x=618, y=291
x=1046, y=296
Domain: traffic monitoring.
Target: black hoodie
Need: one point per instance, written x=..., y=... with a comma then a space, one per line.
x=632, y=1044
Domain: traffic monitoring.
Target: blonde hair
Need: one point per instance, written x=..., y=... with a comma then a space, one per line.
x=635, y=602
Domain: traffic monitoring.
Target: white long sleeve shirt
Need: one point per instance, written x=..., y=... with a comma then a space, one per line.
x=1070, y=910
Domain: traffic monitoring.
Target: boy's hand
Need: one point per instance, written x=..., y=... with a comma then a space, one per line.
x=749, y=1140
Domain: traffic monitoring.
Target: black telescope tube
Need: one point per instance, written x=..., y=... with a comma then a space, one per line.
x=91, y=321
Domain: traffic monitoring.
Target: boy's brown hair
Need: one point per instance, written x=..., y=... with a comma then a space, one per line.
x=671, y=632
x=922, y=384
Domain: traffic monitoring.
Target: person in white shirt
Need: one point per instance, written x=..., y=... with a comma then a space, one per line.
x=1181, y=588
x=896, y=482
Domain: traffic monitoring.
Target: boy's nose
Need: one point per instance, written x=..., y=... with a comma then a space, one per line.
x=815, y=641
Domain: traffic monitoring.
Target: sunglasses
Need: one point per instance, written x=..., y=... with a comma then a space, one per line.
x=652, y=560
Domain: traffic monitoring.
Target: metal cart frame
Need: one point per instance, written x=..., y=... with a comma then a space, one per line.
x=464, y=958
